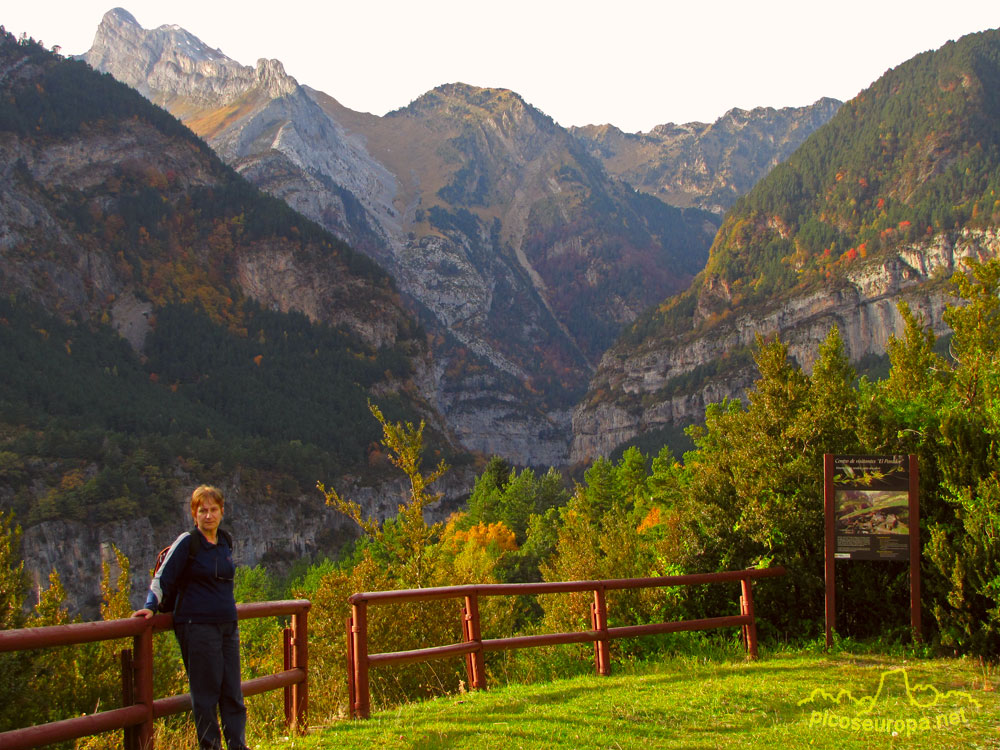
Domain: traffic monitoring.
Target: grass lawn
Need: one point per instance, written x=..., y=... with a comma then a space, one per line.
x=784, y=701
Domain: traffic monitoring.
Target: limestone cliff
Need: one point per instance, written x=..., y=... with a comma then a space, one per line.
x=635, y=390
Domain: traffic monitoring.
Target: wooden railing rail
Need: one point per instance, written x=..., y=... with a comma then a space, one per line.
x=139, y=706
x=473, y=646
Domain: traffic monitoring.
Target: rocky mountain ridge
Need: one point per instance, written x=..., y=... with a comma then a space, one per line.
x=706, y=165
x=257, y=118
x=208, y=76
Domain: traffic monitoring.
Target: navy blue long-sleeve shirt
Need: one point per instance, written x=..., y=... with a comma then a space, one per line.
x=208, y=581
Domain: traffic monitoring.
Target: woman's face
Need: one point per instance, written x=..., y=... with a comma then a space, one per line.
x=208, y=516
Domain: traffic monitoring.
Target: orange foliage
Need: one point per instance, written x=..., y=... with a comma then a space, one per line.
x=481, y=535
x=72, y=480
x=652, y=519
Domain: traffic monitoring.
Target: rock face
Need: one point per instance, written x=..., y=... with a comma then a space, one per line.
x=521, y=255
x=631, y=393
x=706, y=165
x=72, y=278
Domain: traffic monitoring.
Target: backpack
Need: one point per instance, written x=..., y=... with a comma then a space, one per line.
x=194, y=547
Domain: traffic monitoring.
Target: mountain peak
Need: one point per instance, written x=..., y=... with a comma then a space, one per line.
x=170, y=61
x=462, y=105
x=119, y=16
x=476, y=94
x=461, y=99
x=273, y=79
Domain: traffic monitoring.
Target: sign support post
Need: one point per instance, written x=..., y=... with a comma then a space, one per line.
x=915, y=624
x=829, y=548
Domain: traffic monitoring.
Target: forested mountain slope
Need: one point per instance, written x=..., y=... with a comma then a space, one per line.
x=164, y=323
x=878, y=205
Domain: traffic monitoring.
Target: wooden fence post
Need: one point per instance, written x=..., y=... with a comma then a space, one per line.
x=300, y=660
x=128, y=697
x=359, y=634
x=286, y=661
x=599, y=618
x=746, y=608
x=475, y=664
x=829, y=547
x=351, y=692
x=142, y=669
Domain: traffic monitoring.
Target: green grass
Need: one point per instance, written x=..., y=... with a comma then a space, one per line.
x=694, y=702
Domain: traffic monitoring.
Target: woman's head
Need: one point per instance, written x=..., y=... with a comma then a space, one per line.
x=206, y=494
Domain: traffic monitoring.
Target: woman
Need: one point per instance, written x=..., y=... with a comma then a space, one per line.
x=198, y=570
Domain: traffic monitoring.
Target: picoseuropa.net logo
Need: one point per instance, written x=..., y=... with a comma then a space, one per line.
x=897, y=708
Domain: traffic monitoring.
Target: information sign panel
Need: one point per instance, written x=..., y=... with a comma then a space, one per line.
x=872, y=507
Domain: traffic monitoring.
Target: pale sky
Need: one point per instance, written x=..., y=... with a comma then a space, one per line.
x=632, y=63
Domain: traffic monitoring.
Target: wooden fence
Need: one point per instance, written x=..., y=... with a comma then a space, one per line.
x=139, y=708
x=473, y=646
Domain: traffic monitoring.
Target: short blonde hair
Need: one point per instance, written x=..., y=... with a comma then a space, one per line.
x=203, y=493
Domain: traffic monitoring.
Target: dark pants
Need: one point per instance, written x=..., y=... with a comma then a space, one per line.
x=211, y=653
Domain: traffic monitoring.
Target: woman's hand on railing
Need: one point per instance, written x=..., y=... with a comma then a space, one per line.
x=147, y=613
